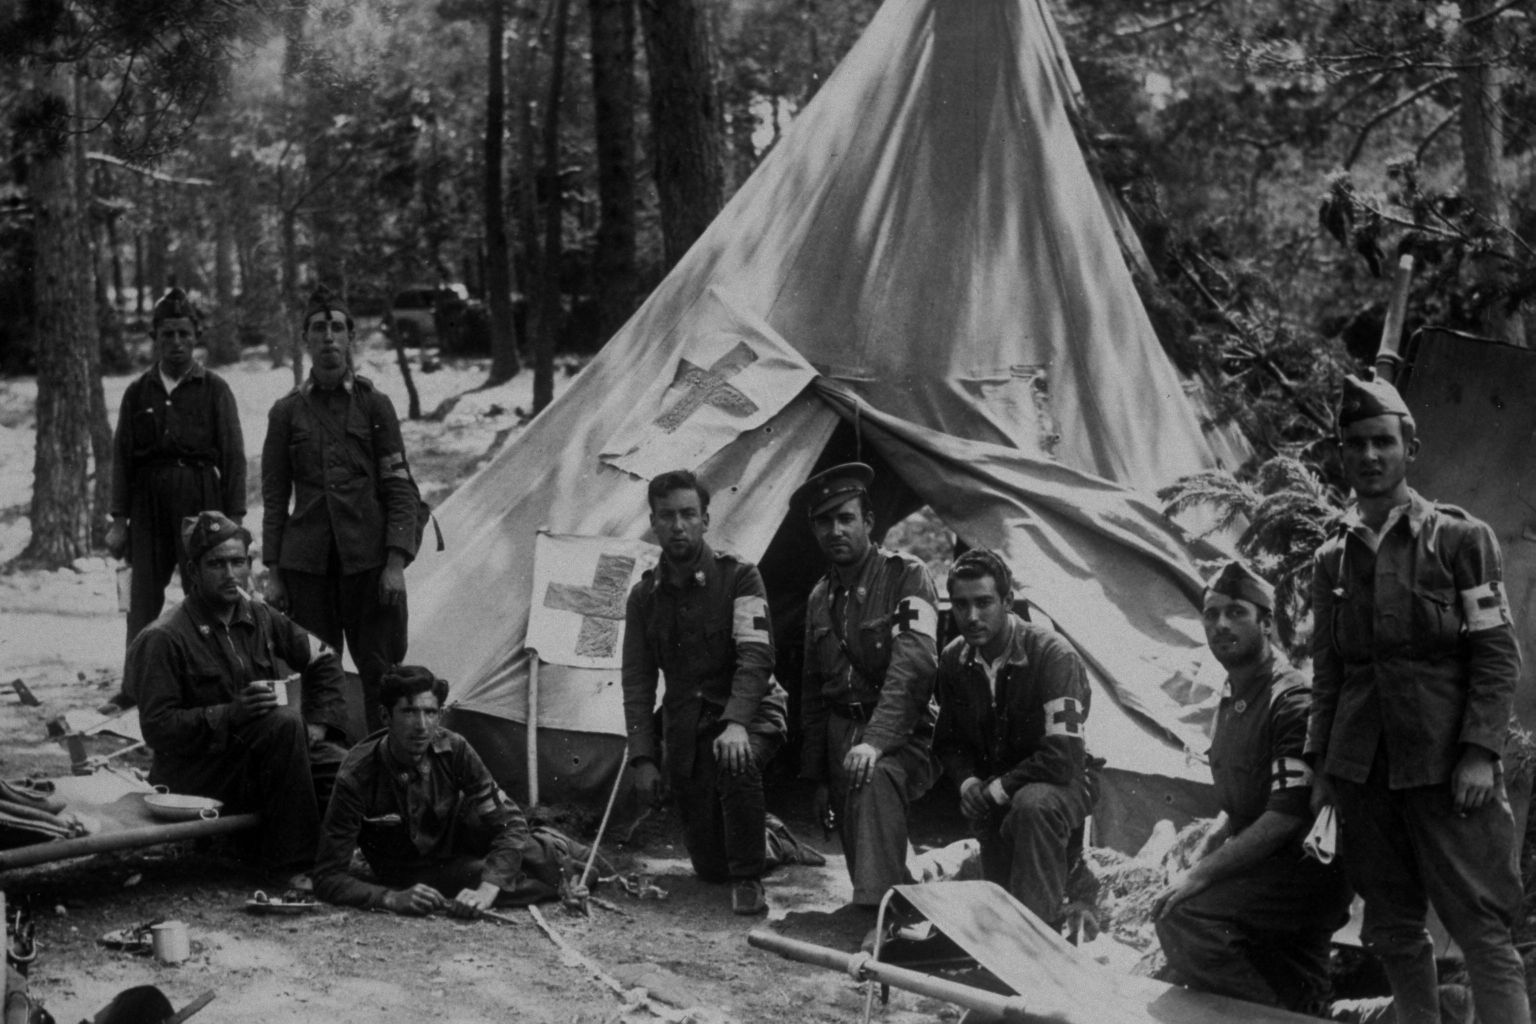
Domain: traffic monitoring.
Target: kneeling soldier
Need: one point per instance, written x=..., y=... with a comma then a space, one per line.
x=1253, y=917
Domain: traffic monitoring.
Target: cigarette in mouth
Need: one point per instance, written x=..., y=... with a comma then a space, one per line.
x=243, y=592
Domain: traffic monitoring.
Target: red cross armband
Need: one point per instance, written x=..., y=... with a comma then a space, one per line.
x=392, y=466
x=749, y=620
x=1289, y=773
x=1064, y=717
x=915, y=615
x=1485, y=607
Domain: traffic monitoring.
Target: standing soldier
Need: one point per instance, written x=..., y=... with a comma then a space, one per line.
x=1253, y=918
x=337, y=555
x=1415, y=666
x=867, y=704
x=700, y=618
x=177, y=451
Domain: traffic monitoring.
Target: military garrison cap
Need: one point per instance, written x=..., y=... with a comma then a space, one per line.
x=1364, y=397
x=832, y=487
x=174, y=305
x=205, y=531
x=1236, y=580
x=323, y=300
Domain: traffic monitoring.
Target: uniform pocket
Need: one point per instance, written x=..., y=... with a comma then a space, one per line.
x=875, y=640
x=1436, y=618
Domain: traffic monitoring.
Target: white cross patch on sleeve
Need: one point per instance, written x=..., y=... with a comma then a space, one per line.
x=1064, y=717
x=1289, y=773
x=914, y=615
x=749, y=623
x=1485, y=607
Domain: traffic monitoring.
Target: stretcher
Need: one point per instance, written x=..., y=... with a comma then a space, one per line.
x=984, y=951
x=114, y=801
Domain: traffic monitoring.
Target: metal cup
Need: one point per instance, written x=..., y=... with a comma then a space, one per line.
x=170, y=942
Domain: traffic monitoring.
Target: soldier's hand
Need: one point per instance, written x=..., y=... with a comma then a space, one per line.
x=860, y=764
x=1176, y=892
x=416, y=901
x=256, y=700
x=1473, y=781
x=974, y=802
x=392, y=580
x=469, y=902
x=277, y=592
x=1323, y=794
x=117, y=538
x=647, y=782
x=732, y=748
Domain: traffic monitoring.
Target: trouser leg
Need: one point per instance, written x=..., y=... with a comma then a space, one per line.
x=153, y=560
x=698, y=806
x=1034, y=831
x=1472, y=877
x=1379, y=857
x=1207, y=950
x=313, y=602
x=874, y=815
x=376, y=634
x=743, y=812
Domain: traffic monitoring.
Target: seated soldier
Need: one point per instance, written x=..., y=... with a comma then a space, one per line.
x=1012, y=700
x=1253, y=917
x=429, y=819
x=203, y=675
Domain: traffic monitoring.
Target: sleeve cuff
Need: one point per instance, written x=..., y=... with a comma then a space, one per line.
x=996, y=793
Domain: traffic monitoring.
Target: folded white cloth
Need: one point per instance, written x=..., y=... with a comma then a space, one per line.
x=1322, y=843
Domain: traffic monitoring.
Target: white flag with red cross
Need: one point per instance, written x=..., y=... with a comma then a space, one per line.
x=731, y=373
x=580, y=588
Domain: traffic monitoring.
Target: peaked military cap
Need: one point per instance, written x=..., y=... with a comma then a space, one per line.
x=205, y=531
x=1364, y=397
x=1236, y=580
x=323, y=300
x=832, y=487
x=174, y=305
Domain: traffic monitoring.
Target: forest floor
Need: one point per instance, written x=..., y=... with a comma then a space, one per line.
x=62, y=635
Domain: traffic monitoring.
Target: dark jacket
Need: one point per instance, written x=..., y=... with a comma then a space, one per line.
x=1033, y=730
x=407, y=819
x=1256, y=752
x=187, y=668
x=197, y=424
x=1412, y=646
x=879, y=656
x=712, y=640
x=339, y=456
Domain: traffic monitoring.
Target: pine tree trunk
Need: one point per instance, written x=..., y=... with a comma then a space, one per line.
x=551, y=319
x=685, y=120
x=505, y=363
x=223, y=330
x=615, y=279
x=66, y=336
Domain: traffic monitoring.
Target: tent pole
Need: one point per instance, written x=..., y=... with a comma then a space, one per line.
x=532, y=732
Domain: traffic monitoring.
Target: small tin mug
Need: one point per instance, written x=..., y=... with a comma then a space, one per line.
x=170, y=942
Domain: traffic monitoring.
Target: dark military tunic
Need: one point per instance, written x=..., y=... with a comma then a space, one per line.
x=1415, y=659
x=869, y=665
x=707, y=631
x=443, y=823
x=1026, y=743
x=173, y=455
x=186, y=671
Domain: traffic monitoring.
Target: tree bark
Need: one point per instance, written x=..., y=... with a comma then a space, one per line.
x=554, y=217
x=614, y=276
x=685, y=120
x=505, y=363
x=1481, y=137
x=223, y=331
x=66, y=336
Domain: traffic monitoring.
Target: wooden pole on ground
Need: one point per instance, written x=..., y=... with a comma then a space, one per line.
x=532, y=732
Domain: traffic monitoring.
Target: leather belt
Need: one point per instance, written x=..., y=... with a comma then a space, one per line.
x=852, y=712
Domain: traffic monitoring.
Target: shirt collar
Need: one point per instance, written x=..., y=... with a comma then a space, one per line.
x=1414, y=511
x=695, y=573
x=1013, y=654
x=440, y=744
x=1240, y=681
x=863, y=575
x=309, y=384
x=204, y=617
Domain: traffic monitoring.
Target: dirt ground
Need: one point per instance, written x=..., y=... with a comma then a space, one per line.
x=62, y=636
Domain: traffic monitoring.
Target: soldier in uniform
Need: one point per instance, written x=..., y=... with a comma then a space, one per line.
x=1415, y=666
x=700, y=618
x=339, y=503
x=203, y=675
x=867, y=705
x=1253, y=918
x=1013, y=699
x=177, y=451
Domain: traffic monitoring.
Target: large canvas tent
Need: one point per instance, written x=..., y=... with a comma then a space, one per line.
x=924, y=273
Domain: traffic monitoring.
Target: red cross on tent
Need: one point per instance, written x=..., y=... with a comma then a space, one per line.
x=601, y=605
x=710, y=386
x=580, y=586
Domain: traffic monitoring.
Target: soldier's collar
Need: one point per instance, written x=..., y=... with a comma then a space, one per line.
x=205, y=618
x=347, y=382
x=1240, y=681
x=695, y=573
x=1014, y=654
x=1414, y=511
x=858, y=579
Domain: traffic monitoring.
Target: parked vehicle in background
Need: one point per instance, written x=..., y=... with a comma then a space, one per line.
x=442, y=315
